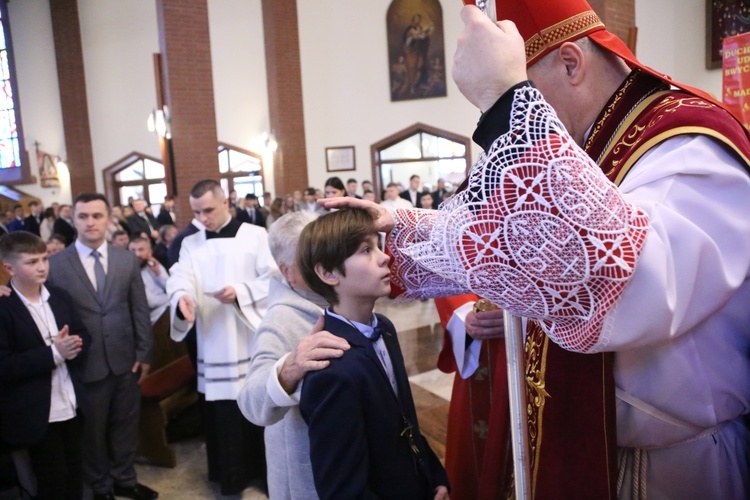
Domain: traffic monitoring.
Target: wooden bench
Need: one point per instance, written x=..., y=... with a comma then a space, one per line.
x=168, y=389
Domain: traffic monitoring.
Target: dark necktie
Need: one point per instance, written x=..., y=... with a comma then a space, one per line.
x=99, y=274
x=148, y=222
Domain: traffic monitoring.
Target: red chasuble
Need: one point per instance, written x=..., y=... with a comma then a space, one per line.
x=477, y=446
x=570, y=396
x=571, y=400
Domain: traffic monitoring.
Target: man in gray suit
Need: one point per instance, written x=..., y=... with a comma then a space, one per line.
x=107, y=289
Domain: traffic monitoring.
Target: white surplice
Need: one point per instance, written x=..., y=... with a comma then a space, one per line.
x=225, y=333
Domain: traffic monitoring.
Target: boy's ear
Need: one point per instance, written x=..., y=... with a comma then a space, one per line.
x=330, y=278
x=9, y=268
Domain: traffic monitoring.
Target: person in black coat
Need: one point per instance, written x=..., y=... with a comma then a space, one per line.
x=166, y=214
x=32, y=222
x=143, y=222
x=64, y=225
x=439, y=194
x=42, y=345
x=411, y=194
x=251, y=213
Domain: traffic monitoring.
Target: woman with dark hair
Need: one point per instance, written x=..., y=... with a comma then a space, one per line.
x=48, y=220
x=334, y=188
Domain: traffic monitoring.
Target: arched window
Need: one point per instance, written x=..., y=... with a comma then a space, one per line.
x=426, y=151
x=143, y=177
x=14, y=161
x=138, y=176
x=240, y=170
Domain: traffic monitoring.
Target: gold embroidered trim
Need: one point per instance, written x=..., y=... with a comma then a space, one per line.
x=536, y=347
x=624, y=128
x=560, y=32
x=643, y=148
x=618, y=96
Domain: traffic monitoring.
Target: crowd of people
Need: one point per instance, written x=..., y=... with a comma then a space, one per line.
x=117, y=270
x=251, y=209
x=609, y=210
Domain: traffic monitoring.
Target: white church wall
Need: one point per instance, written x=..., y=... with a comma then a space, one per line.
x=239, y=73
x=119, y=40
x=345, y=79
x=672, y=39
x=39, y=94
x=345, y=84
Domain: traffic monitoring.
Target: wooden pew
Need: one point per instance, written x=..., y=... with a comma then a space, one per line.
x=167, y=390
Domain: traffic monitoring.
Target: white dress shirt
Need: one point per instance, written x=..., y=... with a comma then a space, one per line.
x=156, y=291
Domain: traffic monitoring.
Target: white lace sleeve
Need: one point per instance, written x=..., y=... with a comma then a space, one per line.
x=540, y=231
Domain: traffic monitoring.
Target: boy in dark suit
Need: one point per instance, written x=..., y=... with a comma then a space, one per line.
x=42, y=342
x=364, y=435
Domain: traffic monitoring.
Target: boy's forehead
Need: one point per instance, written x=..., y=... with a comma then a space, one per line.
x=371, y=237
x=30, y=256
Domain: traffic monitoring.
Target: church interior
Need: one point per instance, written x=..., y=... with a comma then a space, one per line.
x=142, y=99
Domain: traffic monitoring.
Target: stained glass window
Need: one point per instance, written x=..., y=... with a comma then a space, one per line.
x=10, y=156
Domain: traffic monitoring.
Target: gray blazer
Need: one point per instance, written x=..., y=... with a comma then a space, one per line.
x=118, y=323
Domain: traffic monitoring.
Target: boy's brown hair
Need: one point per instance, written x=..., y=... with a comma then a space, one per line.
x=13, y=244
x=329, y=241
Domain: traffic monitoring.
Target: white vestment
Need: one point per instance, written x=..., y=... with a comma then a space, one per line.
x=225, y=334
x=680, y=328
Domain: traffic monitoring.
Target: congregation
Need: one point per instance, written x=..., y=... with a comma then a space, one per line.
x=155, y=260
x=604, y=223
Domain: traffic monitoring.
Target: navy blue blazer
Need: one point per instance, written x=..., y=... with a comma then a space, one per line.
x=244, y=216
x=26, y=365
x=358, y=448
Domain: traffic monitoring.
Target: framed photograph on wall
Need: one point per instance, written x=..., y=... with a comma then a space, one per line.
x=340, y=158
x=724, y=18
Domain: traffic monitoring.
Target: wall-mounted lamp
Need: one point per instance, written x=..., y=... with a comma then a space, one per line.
x=269, y=140
x=158, y=121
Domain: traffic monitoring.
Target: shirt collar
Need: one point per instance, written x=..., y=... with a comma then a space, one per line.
x=366, y=330
x=84, y=251
x=44, y=296
x=229, y=219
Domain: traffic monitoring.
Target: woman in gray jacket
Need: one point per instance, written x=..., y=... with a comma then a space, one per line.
x=286, y=350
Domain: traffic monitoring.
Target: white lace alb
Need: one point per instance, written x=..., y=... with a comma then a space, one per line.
x=540, y=231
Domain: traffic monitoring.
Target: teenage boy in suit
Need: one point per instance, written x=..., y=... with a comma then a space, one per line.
x=42, y=343
x=364, y=435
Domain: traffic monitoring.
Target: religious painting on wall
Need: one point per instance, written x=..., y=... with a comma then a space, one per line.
x=724, y=18
x=416, y=49
x=47, y=169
